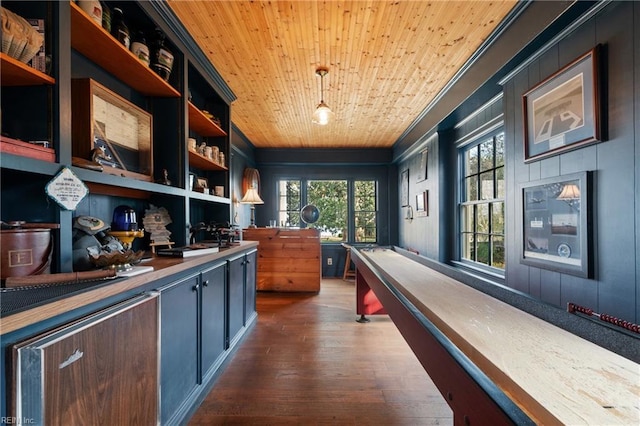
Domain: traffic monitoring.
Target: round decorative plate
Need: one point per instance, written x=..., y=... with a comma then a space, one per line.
x=564, y=250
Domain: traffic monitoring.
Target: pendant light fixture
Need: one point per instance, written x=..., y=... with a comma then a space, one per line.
x=323, y=113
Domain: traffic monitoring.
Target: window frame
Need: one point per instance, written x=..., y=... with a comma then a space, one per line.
x=474, y=142
x=351, y=182
x=280, y=213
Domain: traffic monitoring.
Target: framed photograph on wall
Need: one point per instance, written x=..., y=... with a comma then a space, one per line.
x=419, y=204
x=422, y=204
x=563, y=112
x=423, y=169
x=404, y=188
x=556, y=233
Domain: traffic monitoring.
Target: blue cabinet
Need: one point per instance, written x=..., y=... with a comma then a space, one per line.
x=214, y=338
x=251, y=263
x=236, y=296
x=179, y=346
x=202, y=318
x=193, y=338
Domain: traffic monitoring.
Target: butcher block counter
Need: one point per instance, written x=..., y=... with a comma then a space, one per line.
x=288, y=259
x=163, y=267
x=103, y=340
x=493, y=361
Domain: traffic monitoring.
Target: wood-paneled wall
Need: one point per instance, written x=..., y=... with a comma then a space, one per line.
x=615, y=288
x=615, y=163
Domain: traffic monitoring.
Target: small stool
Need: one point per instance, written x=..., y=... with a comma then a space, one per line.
x=348, y=272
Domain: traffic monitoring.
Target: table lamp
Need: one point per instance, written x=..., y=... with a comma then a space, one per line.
x=252, y=197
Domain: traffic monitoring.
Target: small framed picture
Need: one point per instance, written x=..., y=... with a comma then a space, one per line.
x=404, y=187
x=423, y=169
x=201, y=185
x=422, y=204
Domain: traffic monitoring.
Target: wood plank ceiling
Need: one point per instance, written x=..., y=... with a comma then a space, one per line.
x=387, y=61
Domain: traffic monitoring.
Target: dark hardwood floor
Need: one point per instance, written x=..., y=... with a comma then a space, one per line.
x=308, y=362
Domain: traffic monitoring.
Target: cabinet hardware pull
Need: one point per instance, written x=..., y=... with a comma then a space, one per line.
x=195, y=287
x=205, y=283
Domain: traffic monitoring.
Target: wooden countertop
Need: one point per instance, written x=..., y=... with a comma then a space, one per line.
x=553, y=375
x=163, y=267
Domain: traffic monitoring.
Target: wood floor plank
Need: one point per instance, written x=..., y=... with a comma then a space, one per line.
x=308, y=362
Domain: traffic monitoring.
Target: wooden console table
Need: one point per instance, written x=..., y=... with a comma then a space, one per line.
x=493, y=363
x=288, y=259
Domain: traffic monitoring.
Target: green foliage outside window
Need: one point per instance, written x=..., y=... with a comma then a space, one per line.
x=365, y=211
x=482, y=207
x=331, y=198
x=335, y=200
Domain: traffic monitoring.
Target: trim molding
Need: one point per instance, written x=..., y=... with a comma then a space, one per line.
x=485, y=129
x=162, y=8
x=561, y=35
x=509, y=19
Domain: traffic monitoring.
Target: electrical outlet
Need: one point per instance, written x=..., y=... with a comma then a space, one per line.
x=329, y=261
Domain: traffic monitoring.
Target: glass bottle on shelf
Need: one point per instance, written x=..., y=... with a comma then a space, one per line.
x=162, y=58
x=106, y=17
x=139, y=47
x=118, y=27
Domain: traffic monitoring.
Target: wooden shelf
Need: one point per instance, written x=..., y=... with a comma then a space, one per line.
x=16, y=73
x=97, y=44
x=208, y=198
x=111, y=184
x=201, y=162
x=200, y=123
x=26, y=149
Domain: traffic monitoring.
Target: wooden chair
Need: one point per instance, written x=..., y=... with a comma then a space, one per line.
x=348, y=272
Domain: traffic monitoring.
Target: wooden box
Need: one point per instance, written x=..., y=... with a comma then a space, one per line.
x=119, y=129
x=288, y=259
x=26, y=149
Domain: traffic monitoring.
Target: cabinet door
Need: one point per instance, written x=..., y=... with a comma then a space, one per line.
x=179, y=345
x=250, y=286
x=101, y=367
x=236, y=296
x=213, y=316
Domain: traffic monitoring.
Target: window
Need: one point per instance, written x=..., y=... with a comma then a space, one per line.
x=330, y=197
x=348, y=208
x=289, y=205
x=482, y=204
x=364, y=211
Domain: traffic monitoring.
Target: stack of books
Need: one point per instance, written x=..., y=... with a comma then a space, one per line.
x=188, y=251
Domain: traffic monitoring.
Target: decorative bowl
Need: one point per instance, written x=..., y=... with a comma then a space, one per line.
x=117, y=259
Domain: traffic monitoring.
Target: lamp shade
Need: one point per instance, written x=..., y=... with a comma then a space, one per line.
x=252, y=197
x=323, y=114
x=569, y=192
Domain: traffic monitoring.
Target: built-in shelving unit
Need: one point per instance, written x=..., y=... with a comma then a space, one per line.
x=97, y=44
x=202, y=162
x=38, y=106
x=202, y=124
x=16, y=73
